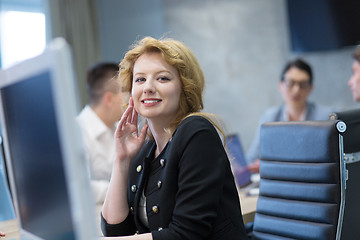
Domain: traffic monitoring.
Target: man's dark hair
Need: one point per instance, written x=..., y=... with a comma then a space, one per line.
x=300, y=64
x=100, y=78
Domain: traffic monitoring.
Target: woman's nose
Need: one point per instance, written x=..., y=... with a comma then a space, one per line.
x=149, y=86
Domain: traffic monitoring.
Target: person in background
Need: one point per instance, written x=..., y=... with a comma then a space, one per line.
x=177, y=183
x=97, y=122
x=295, y=86
x=354, y=81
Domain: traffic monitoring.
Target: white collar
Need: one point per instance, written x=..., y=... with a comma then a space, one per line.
x=92, y=122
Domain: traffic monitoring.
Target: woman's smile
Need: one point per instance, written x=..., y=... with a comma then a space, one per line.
x=150, y=102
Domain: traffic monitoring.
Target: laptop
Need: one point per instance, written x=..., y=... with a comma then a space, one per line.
x=238, y=161
x=43, y=149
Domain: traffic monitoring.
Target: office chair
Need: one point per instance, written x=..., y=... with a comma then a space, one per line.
x=301, y=181
x=351, y=229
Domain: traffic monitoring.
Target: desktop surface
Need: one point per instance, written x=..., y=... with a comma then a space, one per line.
x=248, y=207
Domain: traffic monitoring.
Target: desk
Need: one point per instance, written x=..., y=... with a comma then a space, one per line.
x=10, y=228
x=248, y=206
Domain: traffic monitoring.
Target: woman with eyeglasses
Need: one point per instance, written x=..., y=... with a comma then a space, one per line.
x=295, y=86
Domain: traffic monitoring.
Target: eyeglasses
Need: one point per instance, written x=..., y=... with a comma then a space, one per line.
x=302, y=84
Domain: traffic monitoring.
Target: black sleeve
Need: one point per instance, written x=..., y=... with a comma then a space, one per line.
x=125, y=228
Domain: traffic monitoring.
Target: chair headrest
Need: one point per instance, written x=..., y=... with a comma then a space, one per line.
x=288, y=140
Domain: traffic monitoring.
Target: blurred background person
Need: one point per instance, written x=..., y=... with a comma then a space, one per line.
x=97, y=122
x=354, y=81
x=295, y=86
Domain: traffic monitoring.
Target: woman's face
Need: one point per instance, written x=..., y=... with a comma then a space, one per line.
x=156, y=88
x=296, y=88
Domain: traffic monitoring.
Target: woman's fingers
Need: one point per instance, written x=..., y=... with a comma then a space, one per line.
x=131, y=102
x=143, y=133
x=134, y=119
x=129, y=117
x=124, y=117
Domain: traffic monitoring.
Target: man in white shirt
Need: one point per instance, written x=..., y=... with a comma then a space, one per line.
x=97, y=121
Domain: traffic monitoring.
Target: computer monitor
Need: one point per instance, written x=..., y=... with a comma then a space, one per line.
x=43, y=149
x=238, y=161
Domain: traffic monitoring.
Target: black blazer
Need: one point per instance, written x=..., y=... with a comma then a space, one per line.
x=189, y=188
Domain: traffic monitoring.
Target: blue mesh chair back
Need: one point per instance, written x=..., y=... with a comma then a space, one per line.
x=301, y=181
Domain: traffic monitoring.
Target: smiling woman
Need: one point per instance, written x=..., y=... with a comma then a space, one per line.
x=176, y=184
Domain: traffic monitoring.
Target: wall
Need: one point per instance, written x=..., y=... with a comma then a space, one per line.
x=122, y=22
x=241, y=45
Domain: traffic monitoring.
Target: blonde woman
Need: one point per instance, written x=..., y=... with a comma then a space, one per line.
x=177, y=182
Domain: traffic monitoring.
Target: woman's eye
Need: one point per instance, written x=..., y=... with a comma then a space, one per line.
x=139, y=79
x=164, y=78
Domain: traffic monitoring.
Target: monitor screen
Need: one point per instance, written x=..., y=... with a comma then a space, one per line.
x=37, y=159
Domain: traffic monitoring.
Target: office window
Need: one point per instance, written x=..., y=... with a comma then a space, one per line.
x=22, y=30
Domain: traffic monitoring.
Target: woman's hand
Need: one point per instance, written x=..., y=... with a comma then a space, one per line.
x=127, y=141
x=127, y=145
